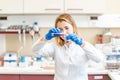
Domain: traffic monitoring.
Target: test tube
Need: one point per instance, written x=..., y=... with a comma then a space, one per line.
x=58, y=34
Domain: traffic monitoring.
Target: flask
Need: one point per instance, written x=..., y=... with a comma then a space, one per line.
x=99, y=38
x=107, y=36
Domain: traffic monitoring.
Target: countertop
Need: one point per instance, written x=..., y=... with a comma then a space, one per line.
x=114, y=75
x=26, y=70
x=33, y=71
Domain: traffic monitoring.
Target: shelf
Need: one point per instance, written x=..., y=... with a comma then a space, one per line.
x=8, y=32
x=12, y=32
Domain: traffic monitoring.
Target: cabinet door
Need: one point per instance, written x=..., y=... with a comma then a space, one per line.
x=43, y=6
x=9, y=77
x=36, y=77
x=85, y=6
x=11, y=6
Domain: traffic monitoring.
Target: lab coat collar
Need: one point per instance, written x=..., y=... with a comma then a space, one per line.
x=70, y=46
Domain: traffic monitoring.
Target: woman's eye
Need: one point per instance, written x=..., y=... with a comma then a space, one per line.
x=66, y=28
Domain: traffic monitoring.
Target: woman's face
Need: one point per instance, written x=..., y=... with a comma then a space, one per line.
x=65, y=27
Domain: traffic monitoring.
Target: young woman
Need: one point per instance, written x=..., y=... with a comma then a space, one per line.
x=70, y=52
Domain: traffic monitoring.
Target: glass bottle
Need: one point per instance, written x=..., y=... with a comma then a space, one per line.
x=107, y=36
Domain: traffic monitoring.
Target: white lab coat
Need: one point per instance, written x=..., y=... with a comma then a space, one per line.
x=70, y=62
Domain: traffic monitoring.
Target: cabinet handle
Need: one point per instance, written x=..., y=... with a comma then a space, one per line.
x=75, y=9
x=57, y=9
x=98, y=77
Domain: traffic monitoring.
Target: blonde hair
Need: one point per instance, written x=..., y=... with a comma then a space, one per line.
x=67, y=18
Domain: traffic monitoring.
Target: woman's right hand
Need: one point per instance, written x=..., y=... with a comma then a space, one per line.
x=49, y=35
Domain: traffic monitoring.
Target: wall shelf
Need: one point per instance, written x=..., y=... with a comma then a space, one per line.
x=12, y=32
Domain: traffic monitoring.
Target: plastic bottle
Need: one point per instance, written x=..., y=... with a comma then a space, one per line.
x=22, y=59
x=36, y=27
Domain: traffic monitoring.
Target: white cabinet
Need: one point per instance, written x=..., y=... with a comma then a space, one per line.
x=11, y=6
x=52, y=6
x=43, y=6
x=109, y=21
x=85, y=6
x=64, y=6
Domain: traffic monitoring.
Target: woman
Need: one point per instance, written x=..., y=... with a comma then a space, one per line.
x=70, y=52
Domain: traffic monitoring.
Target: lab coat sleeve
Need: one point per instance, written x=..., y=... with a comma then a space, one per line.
x=44, y=49
x=92, y=53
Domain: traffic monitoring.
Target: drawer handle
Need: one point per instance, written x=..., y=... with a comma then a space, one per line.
x=52, y=9
x=98, y=77
x=75, y=9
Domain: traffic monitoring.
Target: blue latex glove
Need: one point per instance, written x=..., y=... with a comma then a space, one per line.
x=49, y=35
x=75, y=38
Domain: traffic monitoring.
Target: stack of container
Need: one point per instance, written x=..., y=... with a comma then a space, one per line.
x=10, y=60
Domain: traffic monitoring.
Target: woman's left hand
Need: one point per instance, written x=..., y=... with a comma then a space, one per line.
x=75, y=38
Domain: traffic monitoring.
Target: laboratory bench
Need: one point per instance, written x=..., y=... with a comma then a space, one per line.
x=17, y=73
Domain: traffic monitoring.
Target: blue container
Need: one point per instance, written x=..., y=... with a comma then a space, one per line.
x=22, y=59
x=38, y=58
